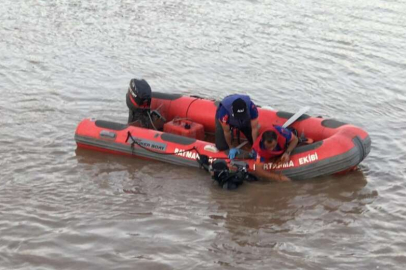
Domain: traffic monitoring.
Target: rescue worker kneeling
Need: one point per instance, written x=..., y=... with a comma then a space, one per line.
x=235, y=112
x=138, y=100
x=275, y=142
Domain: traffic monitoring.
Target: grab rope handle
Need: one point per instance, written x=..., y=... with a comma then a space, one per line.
x=150, y=120
x=129, y=136
x=190, y=104
x=194, y=148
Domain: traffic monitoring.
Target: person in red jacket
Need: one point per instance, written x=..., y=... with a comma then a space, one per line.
x=274, y=142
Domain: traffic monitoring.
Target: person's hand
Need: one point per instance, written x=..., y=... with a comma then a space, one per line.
x=233, y=152
x=284, y=178
x=251, y=154
x=285, y=157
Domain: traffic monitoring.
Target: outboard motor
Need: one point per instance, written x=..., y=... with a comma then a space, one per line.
x=138, y=101
x=138, y=98
x=141, y=94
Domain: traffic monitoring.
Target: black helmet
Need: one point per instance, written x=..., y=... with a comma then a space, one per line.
x=140, y=91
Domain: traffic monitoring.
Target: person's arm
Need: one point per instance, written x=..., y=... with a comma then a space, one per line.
x=255, y=129
x=254, y=121
x=227, y=134
x=262, y=173
x=292, y=144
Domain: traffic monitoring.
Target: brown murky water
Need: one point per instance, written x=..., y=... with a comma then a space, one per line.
x=63, y=208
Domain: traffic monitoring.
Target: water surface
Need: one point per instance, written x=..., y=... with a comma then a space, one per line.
x=66, y=208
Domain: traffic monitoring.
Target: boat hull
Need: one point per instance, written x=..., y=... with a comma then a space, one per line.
x=338, y=147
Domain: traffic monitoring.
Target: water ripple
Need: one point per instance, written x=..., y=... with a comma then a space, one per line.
x=65, y=208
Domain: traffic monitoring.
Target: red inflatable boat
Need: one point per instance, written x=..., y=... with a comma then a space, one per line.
x=337, y=148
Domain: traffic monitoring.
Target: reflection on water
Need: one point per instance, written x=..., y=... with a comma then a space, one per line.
x=257, y=221
x=274, y=220
x=276, y=207
x=269, y=206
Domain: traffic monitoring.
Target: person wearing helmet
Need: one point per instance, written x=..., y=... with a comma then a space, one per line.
x=235, y=112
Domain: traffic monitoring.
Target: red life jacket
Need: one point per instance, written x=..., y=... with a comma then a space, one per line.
x=267, y=154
